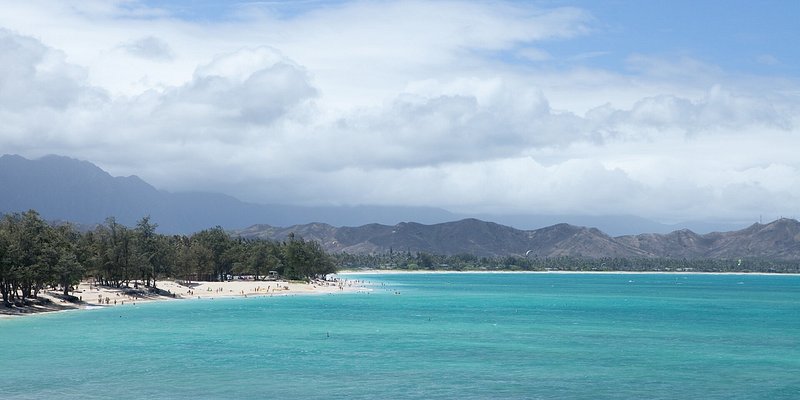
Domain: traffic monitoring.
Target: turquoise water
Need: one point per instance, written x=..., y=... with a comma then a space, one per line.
x=445, y=336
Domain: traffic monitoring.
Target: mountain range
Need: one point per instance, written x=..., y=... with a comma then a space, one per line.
x=63, y=188
x=779, y=240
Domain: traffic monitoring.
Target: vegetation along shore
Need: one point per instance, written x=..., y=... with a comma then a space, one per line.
x=45, y=267
x=115, y=262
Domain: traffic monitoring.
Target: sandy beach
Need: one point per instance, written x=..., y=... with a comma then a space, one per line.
x=90, y=295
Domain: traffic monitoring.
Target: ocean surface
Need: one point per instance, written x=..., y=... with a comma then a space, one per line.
x=436, y=336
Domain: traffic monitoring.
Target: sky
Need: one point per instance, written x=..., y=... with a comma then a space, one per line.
x=673, y=111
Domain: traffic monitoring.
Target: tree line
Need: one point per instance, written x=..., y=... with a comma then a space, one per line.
x=35, y=255
x=468, y=262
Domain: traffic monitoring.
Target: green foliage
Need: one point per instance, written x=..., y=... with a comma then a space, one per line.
x=305, y=260
x=221, y=246
x=147, y=258
x=35, y=255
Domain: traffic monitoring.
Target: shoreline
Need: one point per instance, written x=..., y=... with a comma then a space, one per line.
x=419, y=271
x=91, y=296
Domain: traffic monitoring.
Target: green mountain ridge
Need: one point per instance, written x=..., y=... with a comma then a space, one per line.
x=778, y=240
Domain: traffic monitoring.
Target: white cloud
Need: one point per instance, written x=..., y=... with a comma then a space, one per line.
x=34, y=76
x=254, y=86
x=394, y=103
x=718, y=109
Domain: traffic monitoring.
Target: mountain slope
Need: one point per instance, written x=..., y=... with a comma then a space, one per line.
x=678, y=244
x=568, y=240
x=62, y=188
x=468, y=236
x=777, y=240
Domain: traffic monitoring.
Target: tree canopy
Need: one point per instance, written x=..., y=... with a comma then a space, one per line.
x=35, y=255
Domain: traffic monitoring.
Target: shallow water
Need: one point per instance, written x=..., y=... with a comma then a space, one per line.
x=473, y=336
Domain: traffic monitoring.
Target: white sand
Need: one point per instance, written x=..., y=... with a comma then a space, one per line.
x=102, y=296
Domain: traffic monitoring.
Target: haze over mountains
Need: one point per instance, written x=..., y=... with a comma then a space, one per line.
x=62, y=188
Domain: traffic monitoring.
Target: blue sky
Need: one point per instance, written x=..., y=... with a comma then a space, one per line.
x=739, y=35
x=679, y=110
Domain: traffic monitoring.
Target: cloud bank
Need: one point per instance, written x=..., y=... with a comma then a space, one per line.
x=446, y=104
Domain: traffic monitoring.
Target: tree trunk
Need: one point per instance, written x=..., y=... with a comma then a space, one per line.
x=27, y=289
x=4, y=288
x=65, y=284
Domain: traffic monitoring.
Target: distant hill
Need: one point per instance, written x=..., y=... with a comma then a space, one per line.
x=62, y=188
x=614, y=225
x=65, y=189
x=777, y=240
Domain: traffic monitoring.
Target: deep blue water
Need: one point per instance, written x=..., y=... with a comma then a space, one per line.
x=444, y=336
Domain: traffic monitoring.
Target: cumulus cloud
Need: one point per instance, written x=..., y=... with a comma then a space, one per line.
x=399, y=103
x=249, y=86
x=35, y=76
x=718, y=109
x=42, y=97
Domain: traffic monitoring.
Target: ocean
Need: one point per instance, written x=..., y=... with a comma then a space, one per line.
x=428, y=336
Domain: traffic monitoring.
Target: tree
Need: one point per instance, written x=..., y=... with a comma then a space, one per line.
x=5, y=260
x=425, y=261
x=218, y=242
x=320, y=263
x=294, y=257
x=202, y=260
x=261, y=258
x=146, y=250
x=33, y=253
x=68, y=269
x=115, y=253
x=306, y=260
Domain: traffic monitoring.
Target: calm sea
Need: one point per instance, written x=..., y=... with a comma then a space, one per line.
x=444, y=336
